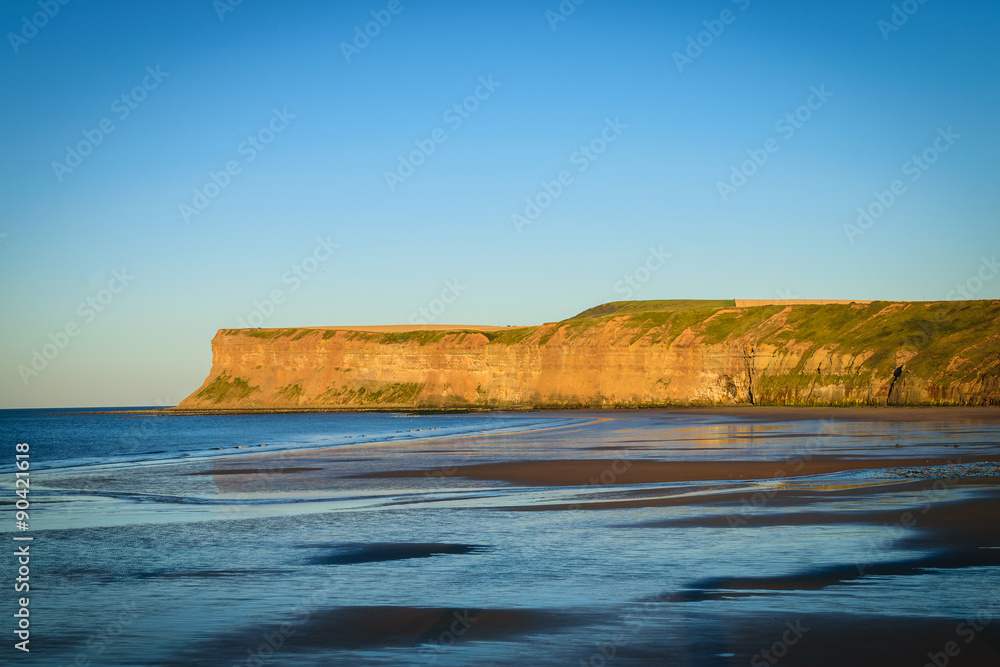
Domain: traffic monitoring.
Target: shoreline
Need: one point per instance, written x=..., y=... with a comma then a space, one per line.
x=765, y=412
x=251, y=451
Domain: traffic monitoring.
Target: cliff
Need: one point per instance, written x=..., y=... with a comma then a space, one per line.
x=626, y=354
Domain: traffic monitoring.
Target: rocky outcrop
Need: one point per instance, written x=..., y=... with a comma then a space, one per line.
x=666, y=353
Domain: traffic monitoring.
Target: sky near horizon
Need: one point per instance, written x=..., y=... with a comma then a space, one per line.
x=171, y=167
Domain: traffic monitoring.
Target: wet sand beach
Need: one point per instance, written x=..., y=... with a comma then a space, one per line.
x=691, y=537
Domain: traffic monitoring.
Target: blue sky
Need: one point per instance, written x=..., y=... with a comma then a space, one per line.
x=278, y=73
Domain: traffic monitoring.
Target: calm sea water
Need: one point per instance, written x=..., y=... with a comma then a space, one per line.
x=166, y=540
x=68, y=437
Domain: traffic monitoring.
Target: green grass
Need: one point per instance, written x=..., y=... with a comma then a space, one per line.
x=397, y=393
x=672, y=306
x=289, y=391
x=418, y=337
x=937, y=332
x=510, y=336
x=269, y=333
x=727, y=326
x=664, y=326
x=548, y=335
x=223, y=389
x=404, y=337
x=946, y=342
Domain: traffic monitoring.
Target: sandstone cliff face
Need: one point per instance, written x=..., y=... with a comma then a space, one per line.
x=880, y=353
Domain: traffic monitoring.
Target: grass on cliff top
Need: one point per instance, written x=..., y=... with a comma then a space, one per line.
x=510, y=336
x=418, y=337
x=964, y=334
x=671, y=306
x=725, y=326
x=663, y=321
x=268, y=333
x=939, y=333
x=911, y=324
x=401, y=337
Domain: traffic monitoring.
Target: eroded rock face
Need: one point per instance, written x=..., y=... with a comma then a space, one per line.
x=720, y=356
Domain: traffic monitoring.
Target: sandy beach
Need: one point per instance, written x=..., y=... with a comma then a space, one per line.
x=680, y=537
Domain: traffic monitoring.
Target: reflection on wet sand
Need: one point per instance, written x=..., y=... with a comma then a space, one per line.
x=647, y=537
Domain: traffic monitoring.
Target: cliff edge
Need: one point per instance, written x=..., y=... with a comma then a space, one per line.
x=625, y=354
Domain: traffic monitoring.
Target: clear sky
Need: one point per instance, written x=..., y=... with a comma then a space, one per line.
x=213, y=154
